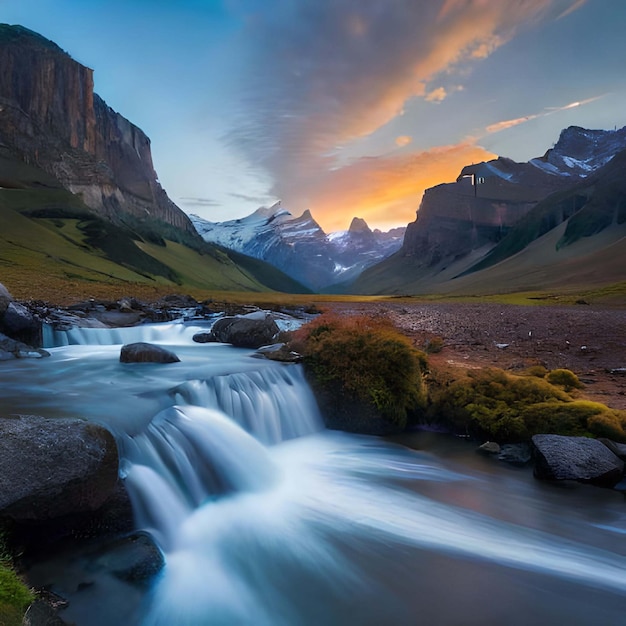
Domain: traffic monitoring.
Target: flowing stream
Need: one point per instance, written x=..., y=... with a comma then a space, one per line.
x=267, y=519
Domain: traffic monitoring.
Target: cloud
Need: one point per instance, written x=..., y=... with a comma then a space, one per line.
x=403, y=140
x=248, y=198
x=386, y=190
x=436, y=95
x=506, y=124
x=572, y=8
x=323, y=74
x=199, y=202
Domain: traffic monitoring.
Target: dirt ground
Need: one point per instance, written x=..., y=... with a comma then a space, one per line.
x=588, y=340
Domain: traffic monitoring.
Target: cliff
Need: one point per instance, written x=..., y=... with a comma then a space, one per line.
x=51, y=118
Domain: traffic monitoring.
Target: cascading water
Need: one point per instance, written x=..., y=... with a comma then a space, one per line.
x=267, y=519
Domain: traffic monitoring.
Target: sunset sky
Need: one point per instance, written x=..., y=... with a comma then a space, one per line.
x=346, y=107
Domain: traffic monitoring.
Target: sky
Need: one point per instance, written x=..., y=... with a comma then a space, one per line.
x=344, y=107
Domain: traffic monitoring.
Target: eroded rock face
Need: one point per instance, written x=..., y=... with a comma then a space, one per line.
x=141, y=352
x=54, y=467
x=52, y=118
x=576, y=458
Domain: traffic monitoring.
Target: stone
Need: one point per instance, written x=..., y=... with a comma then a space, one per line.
x=618, y=449
x=575, y=458
x=134, y=559
x=20, y=324
x=489, y=448
x=5, y=299
x=515, y=453
x=141, y=352
x=203, y=337
x=54, y=467
x=278, y=352
x=13, y=349
x=246, y=331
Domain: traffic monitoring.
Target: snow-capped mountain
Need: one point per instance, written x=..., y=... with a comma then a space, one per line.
x=580, y=151
x=299, y=247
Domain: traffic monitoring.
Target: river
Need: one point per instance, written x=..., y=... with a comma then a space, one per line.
x=267, y=519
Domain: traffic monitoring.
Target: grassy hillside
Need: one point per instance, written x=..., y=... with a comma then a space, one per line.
x=52, y=245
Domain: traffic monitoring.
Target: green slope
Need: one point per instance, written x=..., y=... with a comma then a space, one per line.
x=52, y=247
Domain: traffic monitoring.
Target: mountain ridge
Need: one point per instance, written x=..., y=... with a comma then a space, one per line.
x=459, y=225
x=299, y=246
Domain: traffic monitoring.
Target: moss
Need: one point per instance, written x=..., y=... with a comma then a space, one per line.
x=366, y=358
x=15, y=596
x=497, y=405
x=564, y=378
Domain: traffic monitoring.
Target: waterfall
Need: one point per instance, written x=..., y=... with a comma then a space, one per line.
x=186, y=457
x=273, y=404
x=169, y=333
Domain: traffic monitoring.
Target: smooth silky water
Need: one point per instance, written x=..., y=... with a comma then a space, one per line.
x=266, y=519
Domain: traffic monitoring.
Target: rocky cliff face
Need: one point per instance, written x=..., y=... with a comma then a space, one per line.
x=488, y=199
x=51, y=117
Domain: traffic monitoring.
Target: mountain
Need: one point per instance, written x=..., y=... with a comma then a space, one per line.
x=461, y=225
x=299, y=247
x=81, y=207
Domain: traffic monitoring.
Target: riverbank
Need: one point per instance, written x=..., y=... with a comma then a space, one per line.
x=589, y=340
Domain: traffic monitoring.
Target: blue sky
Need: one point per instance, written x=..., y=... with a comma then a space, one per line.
x=346, y=107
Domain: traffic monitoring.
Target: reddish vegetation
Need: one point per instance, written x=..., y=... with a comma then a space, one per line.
x=589, y=341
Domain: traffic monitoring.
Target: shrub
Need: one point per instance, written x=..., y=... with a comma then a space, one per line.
x=539, y=371
x=434, y=345
x=492, y=403
x=368, y=359
x=564, y=378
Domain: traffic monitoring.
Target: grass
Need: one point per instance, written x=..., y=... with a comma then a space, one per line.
x=15, y=596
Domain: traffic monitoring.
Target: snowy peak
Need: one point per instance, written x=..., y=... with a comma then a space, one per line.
x=300, y=247
x=580, y=151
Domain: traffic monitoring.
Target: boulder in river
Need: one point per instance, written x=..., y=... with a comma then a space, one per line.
x=54, y=467
x=576, y=458
x=12, y=349
x=142, y=352
x=246, y=331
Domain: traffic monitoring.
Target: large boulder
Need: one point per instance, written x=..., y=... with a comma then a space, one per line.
x=141, y=352
x=54, y=467
x=575, y=458
x=19, y=323
x=246, y=331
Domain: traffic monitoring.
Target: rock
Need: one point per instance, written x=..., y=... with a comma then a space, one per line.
x=618, y=449
x=41, y=613
x=246, y=331
x=489, y=448
x=134, y=558
x=278, y=352
x=19, y=323
x=141, y=352
x=5, y=299
x=575, y=458
x=13, y=349
x=515, y=453
x=203, y=337
x=54, y=467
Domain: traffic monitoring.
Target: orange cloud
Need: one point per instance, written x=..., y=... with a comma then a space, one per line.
x=386, y=191
x=436, y=95
x=504, y=125
x=403, y=140
x=498, y=126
